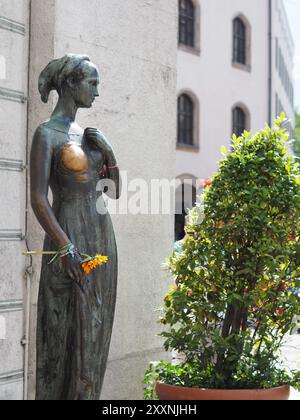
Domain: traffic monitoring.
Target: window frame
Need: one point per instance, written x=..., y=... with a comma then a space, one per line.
x=186, y=23
x=245, y=38
x=237, y=124
x=192, y=125
x=188, y=184
x=194, y=46
x=239, y=41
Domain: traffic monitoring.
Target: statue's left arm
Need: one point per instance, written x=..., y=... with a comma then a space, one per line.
x=113, y=173
x=98, y=140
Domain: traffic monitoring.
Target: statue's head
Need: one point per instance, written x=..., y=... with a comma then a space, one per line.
x=72, y=75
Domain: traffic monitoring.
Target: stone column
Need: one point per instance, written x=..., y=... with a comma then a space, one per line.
x=42, y=50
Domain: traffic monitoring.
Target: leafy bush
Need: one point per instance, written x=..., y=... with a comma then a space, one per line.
x=297, y=135
x=234, y=299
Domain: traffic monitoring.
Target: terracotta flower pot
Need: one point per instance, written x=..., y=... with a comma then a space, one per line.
x=172, y=393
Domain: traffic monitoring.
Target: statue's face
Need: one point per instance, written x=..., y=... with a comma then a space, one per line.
x=86, y=90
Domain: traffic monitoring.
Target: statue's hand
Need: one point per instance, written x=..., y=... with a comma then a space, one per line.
x=73, y=269
x=95, y=138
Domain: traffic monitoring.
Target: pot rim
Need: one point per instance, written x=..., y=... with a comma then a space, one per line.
x=283, y=387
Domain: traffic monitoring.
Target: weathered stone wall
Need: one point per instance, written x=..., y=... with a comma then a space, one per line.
x=14, y=36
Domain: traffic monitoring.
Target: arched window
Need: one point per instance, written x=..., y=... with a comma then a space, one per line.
x=239, y=41
x=186, y=197
x=239, y=121
x=185, y=120
x=186, y=23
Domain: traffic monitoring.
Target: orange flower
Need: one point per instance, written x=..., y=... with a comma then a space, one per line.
x=292, y=238
x=280, y=312
x=282, y=287
x=204, y=183
x=95, y=262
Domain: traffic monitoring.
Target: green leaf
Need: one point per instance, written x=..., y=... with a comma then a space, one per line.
x=247, y=134
x=282, y=117
x=285, y=136
x=223, y=150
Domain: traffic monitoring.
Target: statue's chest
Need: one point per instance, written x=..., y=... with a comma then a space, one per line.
x=78, y=161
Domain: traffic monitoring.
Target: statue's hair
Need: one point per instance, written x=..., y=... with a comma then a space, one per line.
x=57, y=71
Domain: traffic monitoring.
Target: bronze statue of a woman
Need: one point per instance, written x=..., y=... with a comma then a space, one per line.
x=75, y=311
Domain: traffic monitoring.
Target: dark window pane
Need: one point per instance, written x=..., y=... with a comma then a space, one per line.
x=239, y=41
x=186, y=22
x=185, y=123
x=238, y=121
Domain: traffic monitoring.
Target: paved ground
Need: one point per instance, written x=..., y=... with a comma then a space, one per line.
x=291, y=351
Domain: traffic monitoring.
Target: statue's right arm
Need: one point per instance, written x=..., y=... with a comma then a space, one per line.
x=40, y=166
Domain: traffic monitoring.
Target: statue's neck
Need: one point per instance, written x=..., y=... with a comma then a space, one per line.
x=63, y=117
x=65, y=110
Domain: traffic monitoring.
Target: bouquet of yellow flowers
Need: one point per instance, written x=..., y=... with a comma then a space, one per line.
x=91, y=263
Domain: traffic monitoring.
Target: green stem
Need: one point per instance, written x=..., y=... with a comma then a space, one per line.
x=39, y=253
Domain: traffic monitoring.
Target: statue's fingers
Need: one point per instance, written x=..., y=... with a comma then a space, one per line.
x=71, y=275
x=79, y=275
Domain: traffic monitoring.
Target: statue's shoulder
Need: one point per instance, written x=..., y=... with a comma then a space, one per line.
x=43, y=137
x=42, y=130
x=101, y=134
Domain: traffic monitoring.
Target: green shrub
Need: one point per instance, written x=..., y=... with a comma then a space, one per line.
x=236, y=279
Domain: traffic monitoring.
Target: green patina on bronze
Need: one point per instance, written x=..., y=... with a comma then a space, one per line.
x=75, y=311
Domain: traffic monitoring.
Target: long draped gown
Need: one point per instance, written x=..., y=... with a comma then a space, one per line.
x=75, y=325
